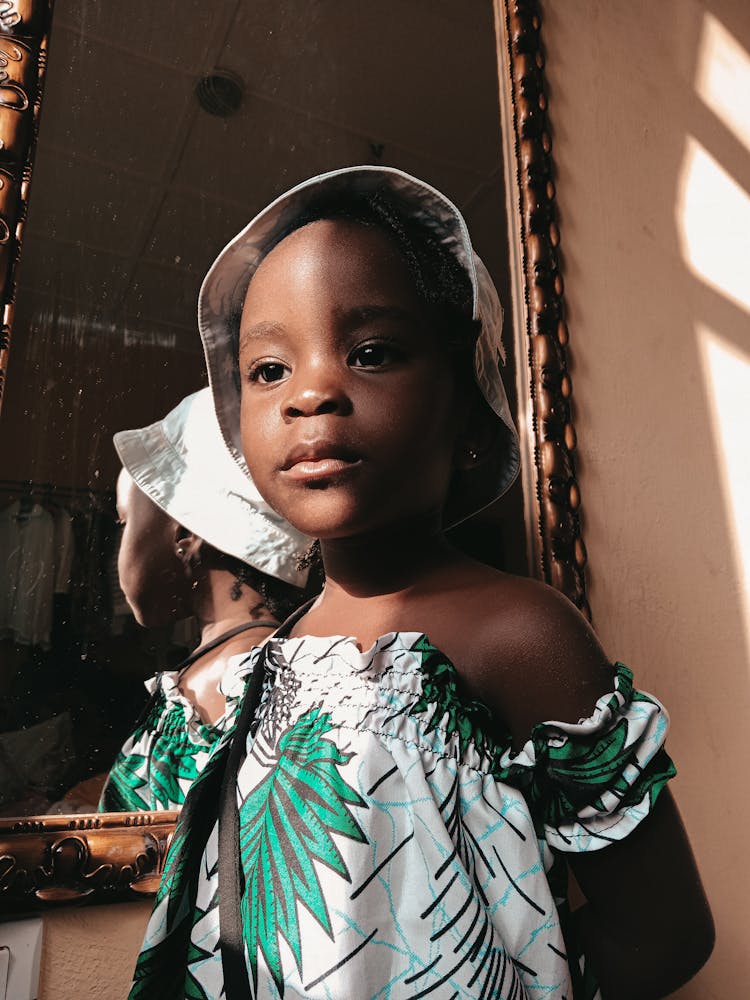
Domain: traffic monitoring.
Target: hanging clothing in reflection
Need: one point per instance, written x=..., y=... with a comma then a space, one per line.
x=27, y=550
x=95, y=533
x=59, y=578
x=72, y=659
x=64, y=544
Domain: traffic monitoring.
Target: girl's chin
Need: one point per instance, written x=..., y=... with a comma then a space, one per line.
x=329, y=525
x=349, y=522
x=315, y=516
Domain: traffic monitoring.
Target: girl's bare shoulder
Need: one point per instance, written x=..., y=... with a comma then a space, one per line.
x=529, y=653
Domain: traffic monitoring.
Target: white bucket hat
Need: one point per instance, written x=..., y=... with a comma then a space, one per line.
x=224, y=287
x=181, y=463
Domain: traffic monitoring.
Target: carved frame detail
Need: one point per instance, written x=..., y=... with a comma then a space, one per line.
x=552, y=494
x=52, y=860
x=65, y=859
x=24, y=36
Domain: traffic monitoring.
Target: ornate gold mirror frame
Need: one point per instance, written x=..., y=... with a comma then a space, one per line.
x=59, y=859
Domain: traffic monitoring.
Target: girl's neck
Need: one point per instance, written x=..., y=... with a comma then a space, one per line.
x=217, y=611
x=405, y=580
x=387, y=561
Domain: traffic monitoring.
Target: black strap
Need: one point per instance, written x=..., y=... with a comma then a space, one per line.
x=231, y=879
x=224, y=637
x=196, y=655
x=236, y=983
x=288, y=624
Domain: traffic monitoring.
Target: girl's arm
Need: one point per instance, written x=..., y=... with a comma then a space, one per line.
x=646, y=926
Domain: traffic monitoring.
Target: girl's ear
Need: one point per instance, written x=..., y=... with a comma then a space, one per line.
x=478, y=438
x=187, y=545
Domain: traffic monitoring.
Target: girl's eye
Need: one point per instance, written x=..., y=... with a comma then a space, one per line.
x=373, y=355
x=267, y=371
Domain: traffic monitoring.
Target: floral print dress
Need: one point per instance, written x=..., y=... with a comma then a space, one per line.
x=387, y=840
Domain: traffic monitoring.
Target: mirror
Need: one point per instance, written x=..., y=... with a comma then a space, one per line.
x=164, y=129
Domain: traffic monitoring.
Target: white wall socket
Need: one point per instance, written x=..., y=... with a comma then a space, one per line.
x=20, y=957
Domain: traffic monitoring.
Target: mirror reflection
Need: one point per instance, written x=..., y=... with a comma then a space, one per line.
x=165, y=128
x=198, y=544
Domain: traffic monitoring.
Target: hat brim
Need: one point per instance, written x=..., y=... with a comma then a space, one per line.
x=217, y=504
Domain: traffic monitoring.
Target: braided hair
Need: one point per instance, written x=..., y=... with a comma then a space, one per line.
x=279, y=597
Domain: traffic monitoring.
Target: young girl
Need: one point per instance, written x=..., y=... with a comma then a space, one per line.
x=395, y=810
x=198, y=540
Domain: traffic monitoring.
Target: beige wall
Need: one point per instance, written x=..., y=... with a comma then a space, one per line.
x=653, y=167
x=89, y=953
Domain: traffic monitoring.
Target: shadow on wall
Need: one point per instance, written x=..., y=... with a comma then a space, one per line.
x=652, y=147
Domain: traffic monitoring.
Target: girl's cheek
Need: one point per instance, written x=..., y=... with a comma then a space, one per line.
x=247, y=426
x=256, y=424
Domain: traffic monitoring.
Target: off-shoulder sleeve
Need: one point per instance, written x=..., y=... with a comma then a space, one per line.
x=590, y=783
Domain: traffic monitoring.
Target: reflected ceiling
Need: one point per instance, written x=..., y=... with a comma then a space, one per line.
x=136, y=188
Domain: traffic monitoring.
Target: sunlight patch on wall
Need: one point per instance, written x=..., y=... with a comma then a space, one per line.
x=713, y=224
x=723, y=77
x=726, y=372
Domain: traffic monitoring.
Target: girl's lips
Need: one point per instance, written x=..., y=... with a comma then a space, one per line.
x=310, y=461
x=311, y=469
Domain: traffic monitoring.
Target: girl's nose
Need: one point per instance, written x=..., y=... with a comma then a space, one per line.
x=314, y=396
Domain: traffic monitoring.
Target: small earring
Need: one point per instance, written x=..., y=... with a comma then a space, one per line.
x=473, y=455
x=180, y=551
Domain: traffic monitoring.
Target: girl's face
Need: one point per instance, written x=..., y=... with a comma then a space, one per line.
x=350, y=411
x=151, y=575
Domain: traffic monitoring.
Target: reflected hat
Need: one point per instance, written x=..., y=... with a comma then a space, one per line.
x=224, y=287
x=181, y=463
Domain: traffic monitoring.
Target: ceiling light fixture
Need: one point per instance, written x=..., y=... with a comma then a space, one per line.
x=220, y=92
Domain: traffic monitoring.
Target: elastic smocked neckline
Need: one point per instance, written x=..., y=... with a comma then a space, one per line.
x=393, y=660
x=382, y=642
x=415, y=643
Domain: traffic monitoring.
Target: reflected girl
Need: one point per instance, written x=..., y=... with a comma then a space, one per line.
x=197, y=540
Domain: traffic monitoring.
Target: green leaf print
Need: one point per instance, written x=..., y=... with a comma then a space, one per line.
x=182, y=862
x=160, y=767
x=442, y=693
x=160, y=970
x=168, y=766
x=652, y=779
x=193, y=989
x=158, y=780
x=286, y=823
x=572, y=775
x=121, y=792
x=173, y=877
